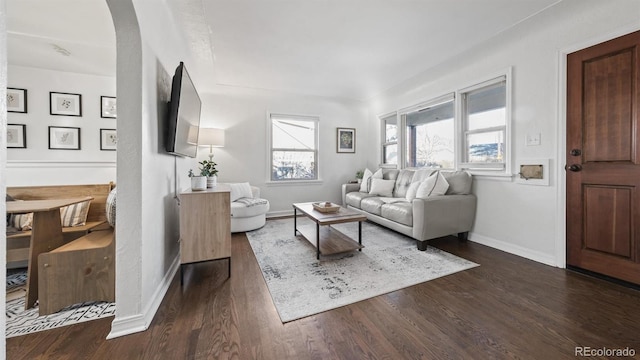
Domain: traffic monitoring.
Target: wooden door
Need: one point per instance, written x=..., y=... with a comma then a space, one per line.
x=603, y=158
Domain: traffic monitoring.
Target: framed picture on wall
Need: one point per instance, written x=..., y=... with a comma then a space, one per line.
x=108, y=108
x=16, y=100
x=346, y=140
x=108, y=139
x=65, y=104
x=16, y=136
x=64, y=138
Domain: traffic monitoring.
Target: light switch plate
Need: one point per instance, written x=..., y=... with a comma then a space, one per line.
x=533, y=139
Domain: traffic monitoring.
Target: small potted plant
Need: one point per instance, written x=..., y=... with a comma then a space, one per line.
x=198, y=182
x=359, y=175
x=208, y=169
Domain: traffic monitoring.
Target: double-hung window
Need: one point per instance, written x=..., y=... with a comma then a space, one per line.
x=294, y=147
x=484, y=122
x=390, y=140
x=429, y=135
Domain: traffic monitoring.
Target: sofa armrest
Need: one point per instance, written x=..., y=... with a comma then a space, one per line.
x=444, y=215
x=347, y=188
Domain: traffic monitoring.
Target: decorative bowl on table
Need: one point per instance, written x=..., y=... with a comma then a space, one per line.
x=326, y=207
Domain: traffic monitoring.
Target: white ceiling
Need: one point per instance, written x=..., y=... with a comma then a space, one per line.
x=351, y=49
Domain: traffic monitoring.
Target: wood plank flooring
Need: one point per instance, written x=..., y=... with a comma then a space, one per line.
x=508, y=307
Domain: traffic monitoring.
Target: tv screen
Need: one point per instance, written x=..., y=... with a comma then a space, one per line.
x=184, y=115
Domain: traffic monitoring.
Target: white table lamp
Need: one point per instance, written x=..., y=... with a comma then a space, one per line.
x=211, y=137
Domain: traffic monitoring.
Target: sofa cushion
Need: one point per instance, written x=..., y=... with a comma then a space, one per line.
x=402, y=183
x=389, y=174
x=412, y=190
x=422, y=174
x=400, y=212
x=364, y=185
x=459, y=182
x=354, y=198
x=382, y=187
x=435, y=184
x=372, y=205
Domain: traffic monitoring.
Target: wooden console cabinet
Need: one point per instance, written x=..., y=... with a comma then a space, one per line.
x=205, y=225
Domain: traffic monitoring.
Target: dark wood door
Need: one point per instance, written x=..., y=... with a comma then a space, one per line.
x=603, y=158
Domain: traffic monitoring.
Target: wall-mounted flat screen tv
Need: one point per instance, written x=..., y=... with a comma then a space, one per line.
x=184, y=115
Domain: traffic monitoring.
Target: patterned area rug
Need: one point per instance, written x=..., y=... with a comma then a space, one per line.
x=22, y=322
x=301, y=286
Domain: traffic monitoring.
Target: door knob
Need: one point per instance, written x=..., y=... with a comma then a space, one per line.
x=575, y=152
x=573, y=167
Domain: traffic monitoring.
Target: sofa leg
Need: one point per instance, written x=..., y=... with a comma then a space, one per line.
x=463, y=236
x=422, y=245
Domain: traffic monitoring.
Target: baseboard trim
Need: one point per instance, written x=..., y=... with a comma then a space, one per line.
x=514, y=249
x=276, y=214
x=140, y=322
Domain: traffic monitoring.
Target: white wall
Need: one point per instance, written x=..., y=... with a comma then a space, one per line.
x=243, y=113
x=149, y=48
x=39, y=165
x=522, y=219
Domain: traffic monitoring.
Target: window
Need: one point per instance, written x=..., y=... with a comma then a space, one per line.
x=390, y=140
x=429, y=135
x=294, y=147
x=484, y=122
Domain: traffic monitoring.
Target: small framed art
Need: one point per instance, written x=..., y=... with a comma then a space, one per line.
x=16, y=136
x=108, y=139
x=16, y=100
x=65, y=104
x=64, y=138
x=108, y=108
x=346, y=140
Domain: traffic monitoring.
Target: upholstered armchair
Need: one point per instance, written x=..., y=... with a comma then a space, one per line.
x=248, y=210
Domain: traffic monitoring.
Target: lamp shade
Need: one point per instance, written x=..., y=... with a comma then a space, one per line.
x=211, y=137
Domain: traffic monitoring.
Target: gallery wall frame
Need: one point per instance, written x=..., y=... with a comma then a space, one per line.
x=108, y=139
x=108, y=107
x=16, y=100
x=64, y=138
x=65, y=104
x=16, y=136
x=346, y=140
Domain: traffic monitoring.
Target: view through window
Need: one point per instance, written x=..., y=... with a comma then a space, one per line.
x=294, y=147
x=430, y=136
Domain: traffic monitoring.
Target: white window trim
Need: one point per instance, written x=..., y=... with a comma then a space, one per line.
x=269, y=159
x=383, y=135
x=486, y=169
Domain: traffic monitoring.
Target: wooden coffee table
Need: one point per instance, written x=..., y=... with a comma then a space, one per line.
x=328, y=240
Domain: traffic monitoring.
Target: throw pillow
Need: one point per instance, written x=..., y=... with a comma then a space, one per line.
x=377, y=174
x=22, y=221
x=435, y=185
x=364, y=185
x=110, y=210
x=9, y=198
x=240, y=190
x=413, y=190
x=75, y=214
x=382, y=187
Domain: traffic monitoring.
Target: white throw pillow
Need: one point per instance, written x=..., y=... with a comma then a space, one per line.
x=364, y=186
x=435, y=185
x=412, y=190
x=240, y=190
x=377, y=174
x=382, y=187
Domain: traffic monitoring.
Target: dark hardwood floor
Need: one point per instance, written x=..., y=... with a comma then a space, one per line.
x=508, y=307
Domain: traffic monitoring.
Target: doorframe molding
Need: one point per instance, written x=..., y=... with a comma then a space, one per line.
x=561, y=141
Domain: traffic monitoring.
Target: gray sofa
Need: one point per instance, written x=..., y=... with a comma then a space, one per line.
x=424, y=217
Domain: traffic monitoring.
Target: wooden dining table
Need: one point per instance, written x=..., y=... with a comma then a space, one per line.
x=46, y=234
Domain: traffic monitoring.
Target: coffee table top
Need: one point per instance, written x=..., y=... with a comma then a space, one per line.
x=341, y=216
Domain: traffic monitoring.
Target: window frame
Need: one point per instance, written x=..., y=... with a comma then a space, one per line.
x=504, y=167
x=316, y=153
x=449, y=97
x=385, y=143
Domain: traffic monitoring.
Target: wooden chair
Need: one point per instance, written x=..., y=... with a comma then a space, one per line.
x=80, y=271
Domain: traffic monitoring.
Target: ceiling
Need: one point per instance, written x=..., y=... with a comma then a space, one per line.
x=352, y=49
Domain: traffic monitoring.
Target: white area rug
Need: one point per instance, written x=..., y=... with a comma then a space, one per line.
x=22, y=322
x=301, y=286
